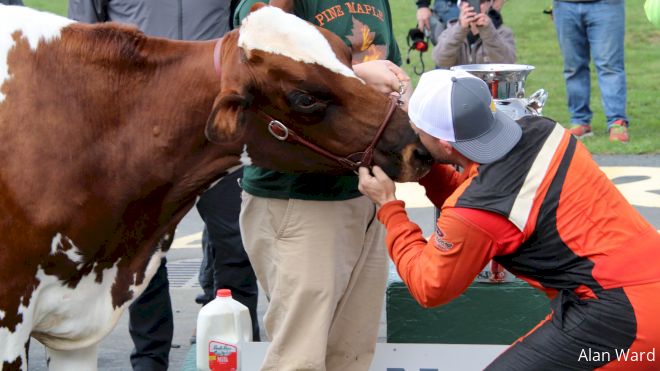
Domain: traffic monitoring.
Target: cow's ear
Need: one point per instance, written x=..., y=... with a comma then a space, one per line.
x=225, y=122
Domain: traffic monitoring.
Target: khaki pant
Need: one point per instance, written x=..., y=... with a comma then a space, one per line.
x=323, y=265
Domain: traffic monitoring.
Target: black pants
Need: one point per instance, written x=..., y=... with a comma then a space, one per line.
x=577, y=327
x=151, y=324
x=226, y=264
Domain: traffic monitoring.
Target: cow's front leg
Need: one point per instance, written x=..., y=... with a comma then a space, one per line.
x=67, y=360
x=14, y=347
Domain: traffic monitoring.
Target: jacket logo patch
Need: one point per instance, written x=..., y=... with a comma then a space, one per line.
x=440, y=243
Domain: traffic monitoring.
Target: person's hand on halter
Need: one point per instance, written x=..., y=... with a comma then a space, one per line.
x=386, y=77
x=378, y=187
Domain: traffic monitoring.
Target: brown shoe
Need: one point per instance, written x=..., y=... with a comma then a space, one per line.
x=619, y=131
x=581, y=131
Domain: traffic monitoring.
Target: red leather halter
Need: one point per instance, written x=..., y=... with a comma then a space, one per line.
x=350, y=162
x=283, y=133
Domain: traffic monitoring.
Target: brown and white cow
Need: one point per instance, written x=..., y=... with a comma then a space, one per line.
x=103, y=150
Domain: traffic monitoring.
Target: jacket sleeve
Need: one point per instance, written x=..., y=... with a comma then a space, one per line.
x=499, y=44
x=439, y=270
x=89, y=11
x=448, y=48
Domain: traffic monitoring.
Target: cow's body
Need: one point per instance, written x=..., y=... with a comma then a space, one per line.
x=102, y=152
x=78, y=200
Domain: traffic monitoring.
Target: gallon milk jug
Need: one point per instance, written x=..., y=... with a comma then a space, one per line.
x=223, y=326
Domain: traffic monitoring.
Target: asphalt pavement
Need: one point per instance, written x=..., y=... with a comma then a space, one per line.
x=638, y=178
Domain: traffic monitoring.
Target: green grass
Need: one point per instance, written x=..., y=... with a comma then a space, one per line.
x=536, y=44
x=55, y=6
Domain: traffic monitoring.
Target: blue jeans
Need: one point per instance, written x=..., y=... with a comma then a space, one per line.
x=593, y=30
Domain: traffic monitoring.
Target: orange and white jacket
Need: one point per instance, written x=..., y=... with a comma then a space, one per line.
x=545, y=211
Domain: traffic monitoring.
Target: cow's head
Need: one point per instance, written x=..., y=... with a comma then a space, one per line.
x=280, y=66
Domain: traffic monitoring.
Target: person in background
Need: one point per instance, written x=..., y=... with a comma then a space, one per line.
x=531, y=197
x=593, y=29
x=312, y=238
x=11, y=2
x=227, y=265
x=478, y=36
x=433, y=22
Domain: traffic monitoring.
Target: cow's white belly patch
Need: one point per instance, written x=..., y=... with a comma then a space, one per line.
x=67, y=318
x=34, y=26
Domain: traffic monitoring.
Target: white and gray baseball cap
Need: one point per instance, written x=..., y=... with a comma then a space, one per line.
x=457, y=107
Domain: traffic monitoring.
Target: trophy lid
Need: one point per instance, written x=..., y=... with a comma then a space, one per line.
x=497, y=72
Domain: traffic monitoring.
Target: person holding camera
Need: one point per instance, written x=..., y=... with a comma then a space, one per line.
x=478, y=36
x=432, y=22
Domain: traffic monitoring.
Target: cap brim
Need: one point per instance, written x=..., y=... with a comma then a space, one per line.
x=493, y=145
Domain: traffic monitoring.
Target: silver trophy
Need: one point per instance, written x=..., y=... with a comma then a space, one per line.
x=507, y=87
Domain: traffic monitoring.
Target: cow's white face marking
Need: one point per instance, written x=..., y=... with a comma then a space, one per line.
x=34, y=26
x=272, y=30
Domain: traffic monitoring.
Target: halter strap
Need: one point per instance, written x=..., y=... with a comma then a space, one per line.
x=216, y=56
x=350, y=162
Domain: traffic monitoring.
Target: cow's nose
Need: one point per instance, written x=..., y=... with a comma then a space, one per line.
x=423, y=154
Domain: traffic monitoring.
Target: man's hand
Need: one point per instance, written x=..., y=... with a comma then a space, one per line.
x=386, y=77
x=424, y=18
x=379, y=187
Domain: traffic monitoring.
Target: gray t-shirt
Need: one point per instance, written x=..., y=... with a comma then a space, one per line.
x=174, y=19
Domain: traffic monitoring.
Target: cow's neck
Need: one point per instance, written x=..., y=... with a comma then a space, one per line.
x=174, y=101
x=150, y=156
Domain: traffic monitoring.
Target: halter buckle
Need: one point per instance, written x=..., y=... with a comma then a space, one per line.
x=274, y=126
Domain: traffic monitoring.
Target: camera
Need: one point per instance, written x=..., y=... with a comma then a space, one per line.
x=476, y=5
x=417, y=40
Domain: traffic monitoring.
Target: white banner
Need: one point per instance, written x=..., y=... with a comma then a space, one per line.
x=406, y=357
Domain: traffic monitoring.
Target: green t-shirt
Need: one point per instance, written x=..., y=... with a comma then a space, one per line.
x=351, y=20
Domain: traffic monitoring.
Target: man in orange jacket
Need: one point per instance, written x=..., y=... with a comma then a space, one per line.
x=531, y=198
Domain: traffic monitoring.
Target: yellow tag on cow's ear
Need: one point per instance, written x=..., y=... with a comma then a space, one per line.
x=492, y=106
x=652, y=9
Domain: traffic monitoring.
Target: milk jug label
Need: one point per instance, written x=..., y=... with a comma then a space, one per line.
x=222, y=356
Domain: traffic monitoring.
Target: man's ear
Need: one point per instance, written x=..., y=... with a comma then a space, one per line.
x=225, y=123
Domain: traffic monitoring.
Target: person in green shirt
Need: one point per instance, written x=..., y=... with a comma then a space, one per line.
x=313, y=239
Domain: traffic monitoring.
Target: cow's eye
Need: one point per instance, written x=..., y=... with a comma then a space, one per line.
x=304, y=102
